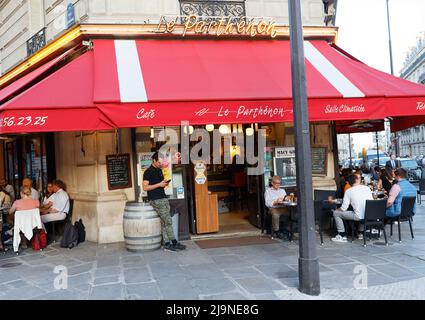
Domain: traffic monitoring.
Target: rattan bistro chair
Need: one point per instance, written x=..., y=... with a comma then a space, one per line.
x=406, y=214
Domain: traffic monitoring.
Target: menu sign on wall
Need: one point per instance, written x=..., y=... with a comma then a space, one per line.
x=319, y=157
x=119, y=171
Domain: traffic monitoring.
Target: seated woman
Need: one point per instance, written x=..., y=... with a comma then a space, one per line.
x=47, y=197
x=57, y=206
x=386, y=180
x=25, y=203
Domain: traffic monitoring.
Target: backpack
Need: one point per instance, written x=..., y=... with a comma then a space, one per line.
x=70, y=236
x=39, y=240
x=81, y=231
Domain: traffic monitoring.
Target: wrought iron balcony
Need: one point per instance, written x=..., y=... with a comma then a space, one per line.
x=36, y=42
x=216, y=8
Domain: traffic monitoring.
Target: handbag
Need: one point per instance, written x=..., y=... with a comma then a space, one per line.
x=39, y=240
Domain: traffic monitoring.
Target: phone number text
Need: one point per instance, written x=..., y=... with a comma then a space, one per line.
x=23, y=121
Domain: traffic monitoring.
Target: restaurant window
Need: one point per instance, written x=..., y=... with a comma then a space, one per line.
x=30, y=156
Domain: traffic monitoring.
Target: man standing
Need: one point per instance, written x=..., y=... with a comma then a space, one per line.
x=154, y=184
x=393, y=163
x=274, y=197
x=356, y=196
x=402, y=188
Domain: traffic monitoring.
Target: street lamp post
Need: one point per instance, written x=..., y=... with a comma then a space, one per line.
x=391, y=66
x=308, y=263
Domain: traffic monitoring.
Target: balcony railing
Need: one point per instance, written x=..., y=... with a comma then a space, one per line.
x=217, y=8
x=36, y=42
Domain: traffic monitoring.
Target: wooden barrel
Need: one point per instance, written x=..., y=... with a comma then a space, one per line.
x=142, y=227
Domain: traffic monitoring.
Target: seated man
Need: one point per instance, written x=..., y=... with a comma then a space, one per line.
x=356, y=196
x=5, y=199
x=274, y=196
x=8, y=189
x=58, y=206
x=402, y=188
x=27, y=183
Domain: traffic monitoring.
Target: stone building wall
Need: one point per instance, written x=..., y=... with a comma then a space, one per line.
x=22, y=19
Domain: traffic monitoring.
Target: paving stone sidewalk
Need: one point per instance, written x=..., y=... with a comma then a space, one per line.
x=267, y=272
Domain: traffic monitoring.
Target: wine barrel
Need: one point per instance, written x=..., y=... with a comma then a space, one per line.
x=142, y=227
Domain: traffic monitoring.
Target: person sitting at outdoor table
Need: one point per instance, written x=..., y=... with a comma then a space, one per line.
x=25, y=203
x=8, y=189
x=403, y=188
x=386, y=180
x=376, y=172
x=5, y=200
x=57, y=207
x=48, y=194
x=27, y=183
x=356, y=196
x=274, y=197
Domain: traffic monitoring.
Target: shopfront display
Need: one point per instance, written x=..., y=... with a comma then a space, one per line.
x=140, y=82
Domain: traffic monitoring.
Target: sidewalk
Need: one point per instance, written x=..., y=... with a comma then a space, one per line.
x=249, y=272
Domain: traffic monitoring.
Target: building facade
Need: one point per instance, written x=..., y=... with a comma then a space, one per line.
x=79, y=157
x=27, y=25
x=411, y=142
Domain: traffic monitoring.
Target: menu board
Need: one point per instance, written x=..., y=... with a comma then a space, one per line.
x=119, y=171
x=319, y=160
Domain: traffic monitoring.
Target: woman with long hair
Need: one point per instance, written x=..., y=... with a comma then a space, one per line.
x=386, y=179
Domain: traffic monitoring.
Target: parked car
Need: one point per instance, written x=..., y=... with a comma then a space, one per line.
x=414, y=172
x=382, y=161
x=420, y=160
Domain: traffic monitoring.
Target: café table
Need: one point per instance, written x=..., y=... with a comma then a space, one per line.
x=291, y=206
x=25, y=221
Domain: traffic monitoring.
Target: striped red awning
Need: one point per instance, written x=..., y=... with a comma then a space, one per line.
x=131, y=83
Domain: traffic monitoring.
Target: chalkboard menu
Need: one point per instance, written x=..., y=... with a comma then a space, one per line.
x=319, y=160
x=119, y=171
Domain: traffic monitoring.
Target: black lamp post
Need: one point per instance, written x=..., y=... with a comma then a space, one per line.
x=308, y=263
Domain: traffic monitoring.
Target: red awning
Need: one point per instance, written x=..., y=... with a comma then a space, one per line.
x=213, y=81
x=27, y=79
x=131, y=83
x=61, y=102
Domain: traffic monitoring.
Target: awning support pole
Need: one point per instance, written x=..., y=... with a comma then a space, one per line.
x=377, y=146
x=349, y=150
x=308, y=263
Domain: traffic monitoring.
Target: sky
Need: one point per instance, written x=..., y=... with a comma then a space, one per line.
x=363, y=32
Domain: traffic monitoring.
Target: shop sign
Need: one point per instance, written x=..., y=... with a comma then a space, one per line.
x=201, y=180
x=70, y=15
x=180, y=193
x=284, y=165
x=284, y=152
x=217, y=26
x=200, y=177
